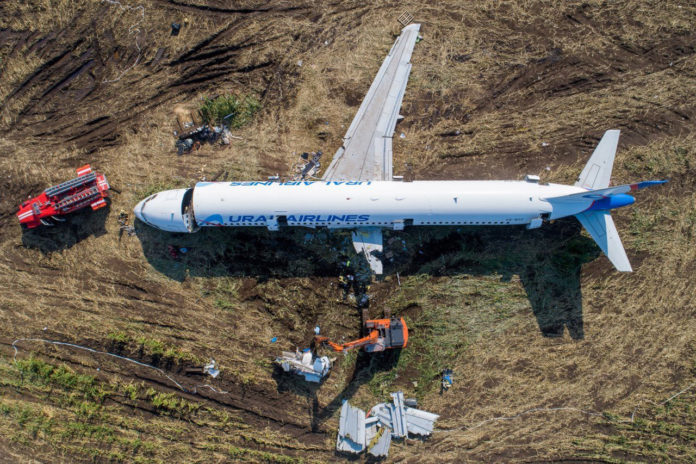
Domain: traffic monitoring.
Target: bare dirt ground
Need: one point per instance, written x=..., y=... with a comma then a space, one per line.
x=557, y=356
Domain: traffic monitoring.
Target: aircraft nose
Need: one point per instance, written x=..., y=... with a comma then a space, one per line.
x=163, y=211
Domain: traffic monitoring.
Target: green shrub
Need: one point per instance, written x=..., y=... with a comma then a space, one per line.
x=118, y=337
x=230, y=109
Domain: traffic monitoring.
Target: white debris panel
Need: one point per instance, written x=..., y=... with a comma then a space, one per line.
x=381, y=443
x=420, y=422
x=384, y=422
x=313, y=369
x=402, y=419
x=351, y=429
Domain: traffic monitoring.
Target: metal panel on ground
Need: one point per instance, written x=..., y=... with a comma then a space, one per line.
x=420, y=422
x=399, y=425
x=351, y=431
x=381, y=448
x=371, y=429
x=385, y=421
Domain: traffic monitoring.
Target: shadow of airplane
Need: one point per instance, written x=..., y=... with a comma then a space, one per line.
x=257, y=252
x=547, y=260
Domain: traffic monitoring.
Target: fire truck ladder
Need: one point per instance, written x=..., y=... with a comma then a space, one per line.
x=70, y=184
x=81, y=197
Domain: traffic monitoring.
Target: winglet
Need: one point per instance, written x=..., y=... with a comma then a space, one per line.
x=597, y=172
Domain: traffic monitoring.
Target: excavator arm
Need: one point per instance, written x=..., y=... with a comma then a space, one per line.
x=384, y=334
x=370, y=339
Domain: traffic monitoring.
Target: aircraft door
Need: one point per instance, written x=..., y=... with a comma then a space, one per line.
x=277, y=222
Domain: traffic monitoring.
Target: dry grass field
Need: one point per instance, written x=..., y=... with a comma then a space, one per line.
x=557, y=357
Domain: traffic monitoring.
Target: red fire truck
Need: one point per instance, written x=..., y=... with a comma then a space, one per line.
x=89, y=188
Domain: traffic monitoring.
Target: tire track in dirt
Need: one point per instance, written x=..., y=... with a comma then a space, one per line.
x=256, y=407
x=559, y=75
x=145, y=409
x=68, y=88
x=216, y=10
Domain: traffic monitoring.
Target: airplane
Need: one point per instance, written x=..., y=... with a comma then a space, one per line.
x=359, y=192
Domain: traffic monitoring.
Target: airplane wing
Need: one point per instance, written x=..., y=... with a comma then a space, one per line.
x=366, y=153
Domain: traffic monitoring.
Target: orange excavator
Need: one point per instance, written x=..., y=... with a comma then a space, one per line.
x=383, y=334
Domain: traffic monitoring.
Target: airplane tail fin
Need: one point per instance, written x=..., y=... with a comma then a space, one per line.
x=596, y=176
x=597, y=172
x=596, y=219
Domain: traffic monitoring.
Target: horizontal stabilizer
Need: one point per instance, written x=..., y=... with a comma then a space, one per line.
x=601, y=227
x=597, y=172
x=605, y=192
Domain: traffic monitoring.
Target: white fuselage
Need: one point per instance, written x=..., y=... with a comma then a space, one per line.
x=375, y=203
